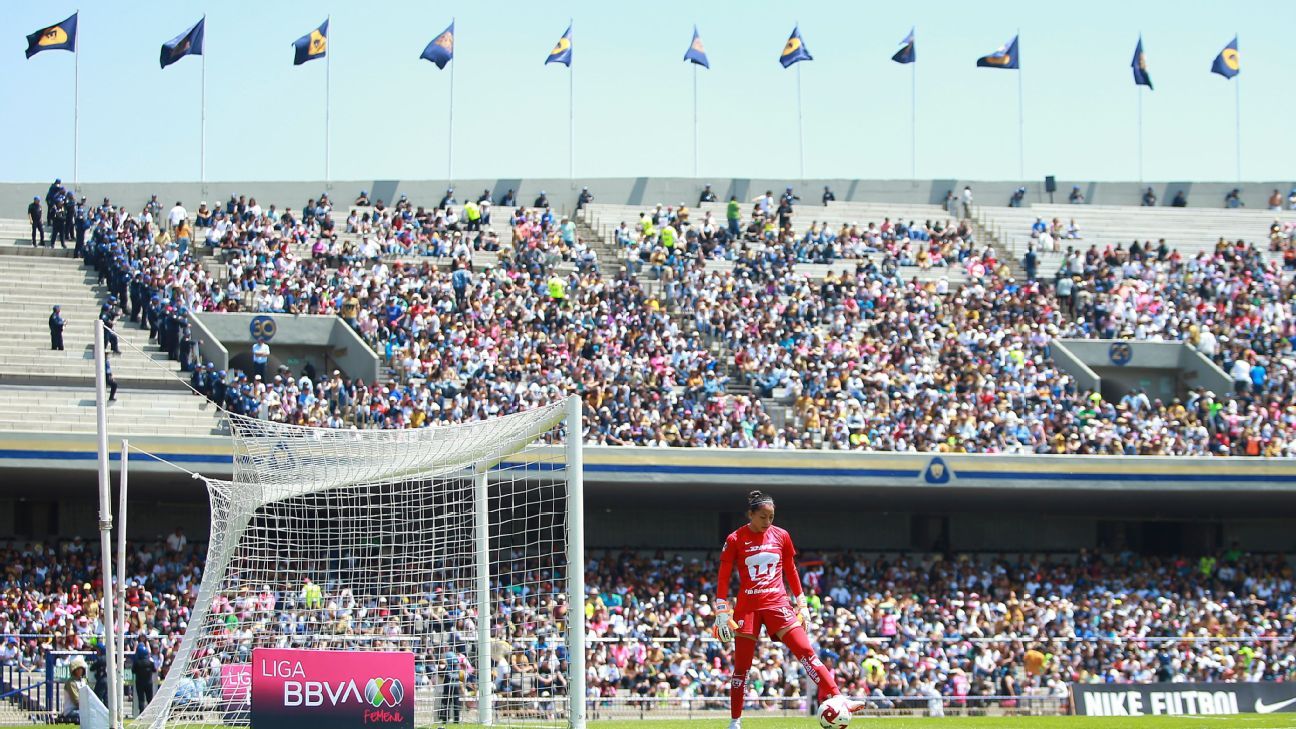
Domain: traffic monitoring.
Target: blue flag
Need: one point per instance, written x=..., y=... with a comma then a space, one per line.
x=312, y=45
x=794, y=51
x=188, y=43
x=1139, y=64
x=1005, y=57
x=441, y=49
x=696, y=52
x=906, y=54
x=562, y=50
x=57, y=37
x=1226, y=63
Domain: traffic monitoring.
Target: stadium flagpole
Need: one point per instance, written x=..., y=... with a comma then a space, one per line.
x=695, y=121
x=1237, y=97
x=575, y=561
x=202, y=135
x=328, y=86
x=450, y=123
x=571, y=114
x=121, y=562
x=1138, y=89
x=105, y=523
x=481, y=496
x=1021, y=124
x=913, y=121
x=76, y=100
x=800, y=127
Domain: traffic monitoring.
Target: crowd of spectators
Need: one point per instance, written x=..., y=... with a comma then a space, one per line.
x=891, y=626
x=472, y=324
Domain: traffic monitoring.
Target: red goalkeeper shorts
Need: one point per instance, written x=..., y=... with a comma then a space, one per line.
x=774, y=620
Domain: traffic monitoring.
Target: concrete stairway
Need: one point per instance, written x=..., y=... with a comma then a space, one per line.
x=29, y=287
x=134, y=413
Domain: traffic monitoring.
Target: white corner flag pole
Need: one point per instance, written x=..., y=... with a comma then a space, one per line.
x=121, y=565
x=105, y=522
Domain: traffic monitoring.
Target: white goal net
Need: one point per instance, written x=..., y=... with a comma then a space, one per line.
x=460, y=544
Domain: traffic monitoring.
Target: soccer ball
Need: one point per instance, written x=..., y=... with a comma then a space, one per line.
x=835, y=713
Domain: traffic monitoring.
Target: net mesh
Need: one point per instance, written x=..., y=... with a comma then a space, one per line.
x=366, y=540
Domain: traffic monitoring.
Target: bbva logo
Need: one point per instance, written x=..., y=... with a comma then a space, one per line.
x=379, y=692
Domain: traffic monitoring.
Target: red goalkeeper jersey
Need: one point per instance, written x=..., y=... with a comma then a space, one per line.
x=763, y=560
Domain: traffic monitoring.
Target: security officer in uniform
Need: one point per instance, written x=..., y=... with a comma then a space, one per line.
x=586, y=197
x=56, y=324
x=447, y=200
x=542, y=201
x=707, y=195
x=62, y=221
x=34, y=216
x=108, y=315
x=109, y=380
x=82, y=223
x=186, y=347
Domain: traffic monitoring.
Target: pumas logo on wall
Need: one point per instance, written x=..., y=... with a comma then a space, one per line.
x=937, y=472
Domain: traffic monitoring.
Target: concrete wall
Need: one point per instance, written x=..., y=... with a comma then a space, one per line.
x=324, y=341
x=562, y=193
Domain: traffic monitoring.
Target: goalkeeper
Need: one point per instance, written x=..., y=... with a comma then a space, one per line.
x=764, y=553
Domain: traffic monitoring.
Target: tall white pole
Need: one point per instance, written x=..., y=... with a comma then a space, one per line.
x=576, y=561
x=913, y=120
x=450, y=127
x=485, y=715
x=1237, y=91
x=571, y=112
x=695, y=121
x=76, y=100
x=105, y=522
x=1021, y=129
x=1138, y=89
x=202, y=135
x=800, y=128
x=121, y=565
x=328, y=68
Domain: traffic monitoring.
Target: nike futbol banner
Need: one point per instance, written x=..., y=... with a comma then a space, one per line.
x=1183, y=699
x=300, y=689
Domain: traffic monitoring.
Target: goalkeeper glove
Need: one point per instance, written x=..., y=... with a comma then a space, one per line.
x=803, y=610
x=724, y=626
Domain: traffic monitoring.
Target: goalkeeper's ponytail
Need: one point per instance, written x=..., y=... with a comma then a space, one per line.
x=757, y=499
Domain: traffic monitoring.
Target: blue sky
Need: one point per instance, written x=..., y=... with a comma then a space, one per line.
x=633, y=93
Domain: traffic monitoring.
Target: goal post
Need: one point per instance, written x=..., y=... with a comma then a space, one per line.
x=461, y=544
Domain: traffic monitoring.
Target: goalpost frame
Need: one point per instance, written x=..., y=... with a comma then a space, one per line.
x=574, y=435
x=575, y=561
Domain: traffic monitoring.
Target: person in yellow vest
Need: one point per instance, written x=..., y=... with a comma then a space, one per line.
x=312, y=595
x=472, y=214
x=874, y=670
x=668, y=238
x=557, y=289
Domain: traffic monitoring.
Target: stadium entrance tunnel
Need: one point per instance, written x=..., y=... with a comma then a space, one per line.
x=325, y=343
x=1115, y=367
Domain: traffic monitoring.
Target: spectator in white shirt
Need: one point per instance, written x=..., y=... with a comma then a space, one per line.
x=177, y=214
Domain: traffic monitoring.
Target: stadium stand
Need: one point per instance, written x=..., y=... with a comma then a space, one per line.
x=767, y=350
x=891, y=626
